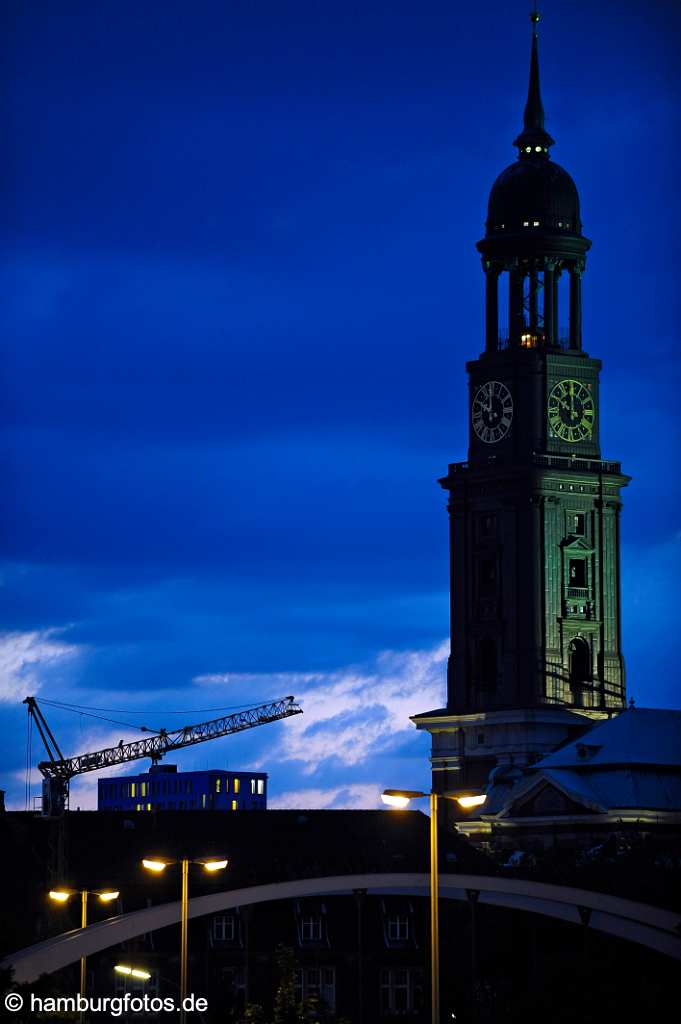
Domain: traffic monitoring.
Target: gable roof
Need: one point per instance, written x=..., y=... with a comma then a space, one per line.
x=601, y=791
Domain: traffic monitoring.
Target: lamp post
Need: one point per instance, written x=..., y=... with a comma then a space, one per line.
x=400, y=799
x=158, y=866
x=63, y=896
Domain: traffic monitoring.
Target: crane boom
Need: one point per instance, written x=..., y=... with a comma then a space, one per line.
x=58, y=771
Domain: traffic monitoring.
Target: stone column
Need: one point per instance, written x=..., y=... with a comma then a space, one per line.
x=575, y=308
x=515, y=306
x=491, y=308
x=549, y=301
x=533, y=300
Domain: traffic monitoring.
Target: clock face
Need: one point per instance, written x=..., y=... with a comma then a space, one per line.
x=492, y=411
x=571, y=411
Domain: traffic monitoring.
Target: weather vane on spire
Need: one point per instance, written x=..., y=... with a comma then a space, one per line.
x=534, y=15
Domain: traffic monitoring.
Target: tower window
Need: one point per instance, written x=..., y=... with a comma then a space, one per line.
x=487, y=526
x=487, y=663
x=577, y=524
x=580, y=661
x=577, y=572
x=487, y=574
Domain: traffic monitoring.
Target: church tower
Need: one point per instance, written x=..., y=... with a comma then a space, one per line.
x=534, y=511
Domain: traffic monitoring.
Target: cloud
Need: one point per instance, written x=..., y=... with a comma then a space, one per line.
x=25, y=656
x=357, y=795
x=355, y=713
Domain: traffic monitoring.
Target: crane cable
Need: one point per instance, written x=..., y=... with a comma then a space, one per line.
x=89, y=714
x=81, y=710
x=120, y=711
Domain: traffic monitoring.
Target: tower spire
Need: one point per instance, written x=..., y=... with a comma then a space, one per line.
x=534, y=141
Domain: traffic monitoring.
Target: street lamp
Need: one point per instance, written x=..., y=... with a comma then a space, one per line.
x=399, y=799
x=132, y=972
x=63, y=895
x=158, y=866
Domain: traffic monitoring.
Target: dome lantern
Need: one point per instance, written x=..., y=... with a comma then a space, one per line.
x=533, y=235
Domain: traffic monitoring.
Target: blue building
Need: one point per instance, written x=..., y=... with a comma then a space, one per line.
x=163, y=788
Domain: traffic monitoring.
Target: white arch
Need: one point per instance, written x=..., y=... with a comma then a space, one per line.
x=637, y=922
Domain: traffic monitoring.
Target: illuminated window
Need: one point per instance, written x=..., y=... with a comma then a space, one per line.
x=148, y=807
x=252, y=785
x=537, y=149
x=143, y=789
x=218, y=785
x=203, y=800
x=133, y=789
x=535, y=223
x=528, y=149
x=234, y=805
x=526, y=223
x=138, y=807
x=236, y=785
x=261, y=787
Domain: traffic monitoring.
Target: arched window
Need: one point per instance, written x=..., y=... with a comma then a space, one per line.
x=580, y=661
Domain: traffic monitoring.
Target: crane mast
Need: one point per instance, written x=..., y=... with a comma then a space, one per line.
x=59, y=770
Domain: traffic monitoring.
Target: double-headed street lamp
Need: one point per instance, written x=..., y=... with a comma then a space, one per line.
x=158, y=866
x=466, y=799
x=132, y=972
x=63, y=895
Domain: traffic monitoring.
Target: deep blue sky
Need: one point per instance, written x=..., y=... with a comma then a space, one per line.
x=239, y=289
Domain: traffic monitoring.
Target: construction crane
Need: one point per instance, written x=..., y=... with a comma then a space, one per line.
x=59, y=770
